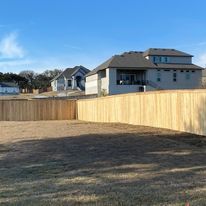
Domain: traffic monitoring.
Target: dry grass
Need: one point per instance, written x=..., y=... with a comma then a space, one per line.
x=77, y=163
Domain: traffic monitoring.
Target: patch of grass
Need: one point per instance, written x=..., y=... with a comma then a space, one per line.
x=99, y=164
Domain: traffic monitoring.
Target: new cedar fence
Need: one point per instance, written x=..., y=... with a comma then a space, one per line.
x=33, y=110
x=183, y=110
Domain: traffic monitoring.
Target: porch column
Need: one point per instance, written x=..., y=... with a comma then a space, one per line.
x=74, y=83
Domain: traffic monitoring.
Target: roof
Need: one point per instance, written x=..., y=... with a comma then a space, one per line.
x=135, y=59
x=8, y=84
x=69, y=72
x=165, y=52
x=131, y=59
x=178, y=66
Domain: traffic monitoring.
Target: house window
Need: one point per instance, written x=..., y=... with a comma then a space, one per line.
x=158, y=77
x=174, y=77
x=164, y=59
x=187, y=76
x=156, y=59
x=69, y=83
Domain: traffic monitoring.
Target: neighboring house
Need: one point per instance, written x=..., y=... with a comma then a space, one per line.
x=204, y=78
x=7, y=88
x=71, y=78
x=153, y=69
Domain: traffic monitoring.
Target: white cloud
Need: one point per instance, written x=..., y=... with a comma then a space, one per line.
x=10, y=48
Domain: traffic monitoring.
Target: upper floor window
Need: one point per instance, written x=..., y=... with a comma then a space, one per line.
x=160, y=59
x=156, y=59
x=164, y=59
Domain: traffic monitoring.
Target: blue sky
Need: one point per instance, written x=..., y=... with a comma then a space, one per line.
x=48, y=34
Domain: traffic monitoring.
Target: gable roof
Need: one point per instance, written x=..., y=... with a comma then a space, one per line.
x=131, y=59
x=165, y=52
x=8, y=84
x=69, y=72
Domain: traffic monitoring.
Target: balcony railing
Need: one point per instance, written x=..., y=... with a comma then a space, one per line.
x=128, y=82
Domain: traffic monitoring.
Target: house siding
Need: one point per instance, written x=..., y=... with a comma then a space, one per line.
x=182, y=83
x=91, y=84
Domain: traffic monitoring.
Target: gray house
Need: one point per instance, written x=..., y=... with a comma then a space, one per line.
x=8, y=88
x=153, y=69
x=204, y=78
x=70, y=78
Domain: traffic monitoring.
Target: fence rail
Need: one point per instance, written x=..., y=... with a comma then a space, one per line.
x=33, y=110
x=183, y=110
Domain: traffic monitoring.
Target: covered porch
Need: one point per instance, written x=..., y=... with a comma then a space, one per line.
x=131, y=77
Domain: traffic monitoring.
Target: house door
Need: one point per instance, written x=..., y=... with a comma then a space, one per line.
x=79, y=84
x=78, y=79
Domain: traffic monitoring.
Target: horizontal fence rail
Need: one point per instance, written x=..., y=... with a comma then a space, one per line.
x=183, y=110
x=33, y=110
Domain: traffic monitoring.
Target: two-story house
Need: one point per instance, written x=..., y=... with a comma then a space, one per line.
x=153, y=69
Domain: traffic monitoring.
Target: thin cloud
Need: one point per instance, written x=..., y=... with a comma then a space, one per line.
x=10, y=47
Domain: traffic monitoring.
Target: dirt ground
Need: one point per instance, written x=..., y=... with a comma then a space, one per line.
x=78, y=163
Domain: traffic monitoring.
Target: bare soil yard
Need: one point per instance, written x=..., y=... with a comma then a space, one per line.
x=78, y=163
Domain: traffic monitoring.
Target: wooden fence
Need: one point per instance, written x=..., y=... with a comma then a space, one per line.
x=33, y=110
x=183, y=110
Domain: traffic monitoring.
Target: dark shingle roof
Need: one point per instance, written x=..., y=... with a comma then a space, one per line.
x=137, y=60
x=69, y=72
x=126, y=60
x=178, y=66
x=8, y=84
x=165, y=52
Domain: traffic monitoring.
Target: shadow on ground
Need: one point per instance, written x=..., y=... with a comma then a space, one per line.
x=105, y=169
